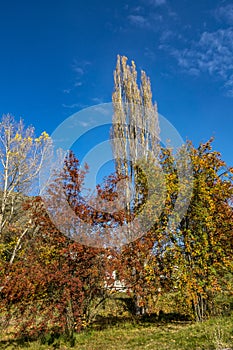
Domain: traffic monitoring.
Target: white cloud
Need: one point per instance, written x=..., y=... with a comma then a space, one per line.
x=151, y=54
x=212, y=54
x=229, y=86
x=151, y=22
x=157, y=2
x=97, y=100
x=137, y=9
x=78, y=83
x=225, y=13
x=67, y=91
x=166, y=35
x=151, y=16
x=139, y=21
x=80, y=66
x=78, y=70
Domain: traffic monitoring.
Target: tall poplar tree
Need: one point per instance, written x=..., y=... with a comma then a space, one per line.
x=136, y=146
x=135, y=131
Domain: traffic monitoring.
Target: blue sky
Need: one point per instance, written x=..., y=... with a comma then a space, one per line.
x=58, y=57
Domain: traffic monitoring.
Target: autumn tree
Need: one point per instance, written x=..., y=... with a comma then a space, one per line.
x=55, y=280
x=189, y=249
x=193, y=257
x=136, y=148
x=135, y=130
x=197, y=254
x=22, y=155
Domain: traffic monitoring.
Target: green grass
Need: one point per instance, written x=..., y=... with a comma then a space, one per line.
x=214, y=334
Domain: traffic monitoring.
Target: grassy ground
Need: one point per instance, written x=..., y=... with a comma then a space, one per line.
x=216, y=333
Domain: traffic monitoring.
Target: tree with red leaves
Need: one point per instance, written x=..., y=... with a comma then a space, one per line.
x=51, y=285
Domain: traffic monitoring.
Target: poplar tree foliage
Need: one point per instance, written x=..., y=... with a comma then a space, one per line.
x=135, y=131
x=136, y=149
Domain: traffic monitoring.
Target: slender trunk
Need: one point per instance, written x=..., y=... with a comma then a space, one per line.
x=70, y=323
x=17, y=246
x=5, y=188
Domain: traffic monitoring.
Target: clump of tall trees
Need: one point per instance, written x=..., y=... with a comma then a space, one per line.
x=50, y=282
x=192, y=257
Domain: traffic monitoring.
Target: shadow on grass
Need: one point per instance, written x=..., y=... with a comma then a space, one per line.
x=103, y=322
x=100, y=323
x=43, y=339
x=4, y=344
